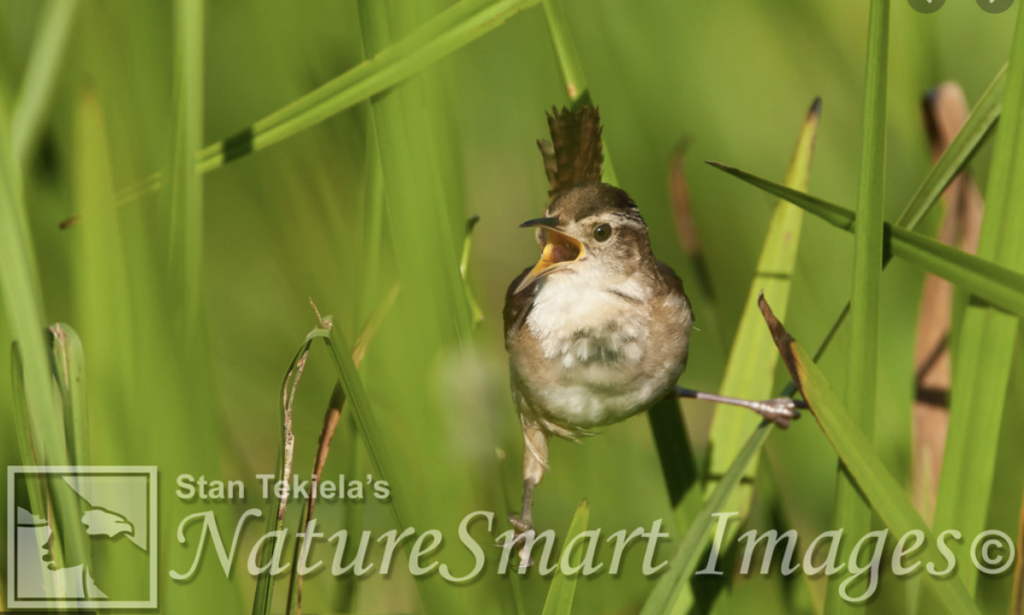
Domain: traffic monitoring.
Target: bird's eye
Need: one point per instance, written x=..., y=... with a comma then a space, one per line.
x=603, y=232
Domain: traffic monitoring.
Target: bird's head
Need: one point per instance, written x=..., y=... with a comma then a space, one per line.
x=592, y=227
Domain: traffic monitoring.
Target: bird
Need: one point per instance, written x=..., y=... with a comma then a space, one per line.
x=598, y=330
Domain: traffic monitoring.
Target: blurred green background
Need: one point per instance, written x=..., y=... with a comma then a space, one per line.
x=294, y=223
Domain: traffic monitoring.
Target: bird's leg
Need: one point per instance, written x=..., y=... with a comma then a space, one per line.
x=780, y=410
x=535, y=461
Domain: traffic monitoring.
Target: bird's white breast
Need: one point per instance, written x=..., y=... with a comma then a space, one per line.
x=594, y=332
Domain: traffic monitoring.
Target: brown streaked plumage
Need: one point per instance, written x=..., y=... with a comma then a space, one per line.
x=598, y=330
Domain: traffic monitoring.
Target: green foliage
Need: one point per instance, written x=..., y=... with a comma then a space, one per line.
x=382, y=127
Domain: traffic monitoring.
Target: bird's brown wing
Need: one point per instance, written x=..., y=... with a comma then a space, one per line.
x=517, y=305
x=574, y=155
x=669, y=277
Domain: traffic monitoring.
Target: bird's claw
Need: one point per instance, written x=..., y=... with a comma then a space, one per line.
x=522, y=532
x=520, y=525
x=781, y=410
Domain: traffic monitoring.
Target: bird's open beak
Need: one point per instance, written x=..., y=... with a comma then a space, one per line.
x=560, y=249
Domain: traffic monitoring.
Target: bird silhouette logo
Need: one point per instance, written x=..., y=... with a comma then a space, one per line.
x=106, y=540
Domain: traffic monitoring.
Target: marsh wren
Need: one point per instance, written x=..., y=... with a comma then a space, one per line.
x=598, y=330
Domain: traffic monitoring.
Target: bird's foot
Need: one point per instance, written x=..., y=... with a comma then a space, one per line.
x=780, y=410
x=521, y=524
x=522, y=532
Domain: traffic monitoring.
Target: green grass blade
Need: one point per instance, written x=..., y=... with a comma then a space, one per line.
x=563, y=588
x=41, y=75
x=674, y=584
x=185, y=191
x=851, y=513
x=864, y=467
x=750, y=371
x=989, y=281
x=983, y=357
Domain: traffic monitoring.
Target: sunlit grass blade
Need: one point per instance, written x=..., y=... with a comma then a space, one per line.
x=983, y=357
x=572, y=72
x=563, y=587
x=672, y=588
x=989, y=281
x=750, y=371
x=185, y=190
x=41, y=74
x=851, y=513
x=865, y=468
